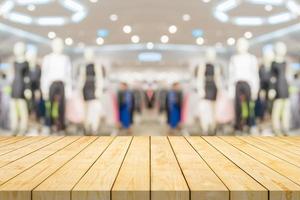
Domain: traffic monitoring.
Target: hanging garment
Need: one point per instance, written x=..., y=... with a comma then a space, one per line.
x=243, y=107
x=89, y=89
x=263, y=105
x=75, y=112
x=35, y=102
x=56, y=109
x=150, y=98
x=224, y=109
x=210, y=84
x=281, y=85
x=19, y=84
x=174, y=103
x=126, y=108
x=138, y=100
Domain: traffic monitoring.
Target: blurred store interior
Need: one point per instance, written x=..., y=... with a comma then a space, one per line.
x=140, y=67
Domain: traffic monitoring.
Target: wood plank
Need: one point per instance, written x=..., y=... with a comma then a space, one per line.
x=13, y=169
x=20, y=187
x=284, y=168
x=11, y=140
x=133, y=181
x=21, y=152
x=280, y=144
x=59, y=185
x=280, y=188
x=14, y=146
x=202, y=181
x=278, y=152
x=167, y=181
x=241, y=185
x=98, y=181
x=288, y=140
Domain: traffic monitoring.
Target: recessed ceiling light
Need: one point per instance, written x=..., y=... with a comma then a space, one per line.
x=230, y=41
x=113, y=17
x=51, y=35
x=200, y=40
x=206, y=1
x=248, y=35
x=93, y=1
x=164, y=39
x=69, y=41
x=186, y=17
x=150, y=45
x=100, y=41
x=135, y=39
x=268, y=8
x=127, y=29
x=173, y=29
x=31, y=7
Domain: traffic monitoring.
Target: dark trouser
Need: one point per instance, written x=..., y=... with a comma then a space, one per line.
x=57, y=96
x=242, y=95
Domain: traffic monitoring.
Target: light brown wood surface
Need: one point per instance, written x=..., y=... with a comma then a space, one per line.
x=149, y=168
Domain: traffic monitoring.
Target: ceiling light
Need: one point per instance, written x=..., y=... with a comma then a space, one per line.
x=6, y=7
x=280, y=18
x=230, y=41
x=268, y=8
x=248, y=35
x=173, y=29
x=200, y=40
x=100, y=41
x=206, y=1
x=164, y=39
x=135, y=39
x=51, y=35
x=69, y=41
x=113, y=17
x=93, y=1
x=150, y=45
x=186, y=17
x=31, y=7
x=51, y=21
x=19, y=18
x=248, y=21
x=127, y=29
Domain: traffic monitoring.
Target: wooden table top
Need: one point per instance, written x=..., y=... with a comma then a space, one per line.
x=144, y=168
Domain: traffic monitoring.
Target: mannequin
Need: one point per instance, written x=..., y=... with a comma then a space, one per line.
x=18, y=105
x=281, y=106
x=56, y=84
x=91, y=84
x=35, y=78
x=243, y=83
x=265, y=82
x=208, y=84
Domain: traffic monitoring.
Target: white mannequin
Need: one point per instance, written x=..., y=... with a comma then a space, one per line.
x=243, y=69
x=92, y=117
x=207, y=117
x=56, y=72
x=18, y=106
x=281, y=106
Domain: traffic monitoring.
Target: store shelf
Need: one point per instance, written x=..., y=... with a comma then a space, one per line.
x=144, y=168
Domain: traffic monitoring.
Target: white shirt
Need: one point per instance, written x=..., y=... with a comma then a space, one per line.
x=56, y=67
x=244, y=67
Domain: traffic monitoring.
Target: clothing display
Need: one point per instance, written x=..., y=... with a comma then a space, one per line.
x=89, y=89
x=56, y=67
x=150, y=97
x=21, y=80
x=281, y=85
x=210, y=84
x=174, y=105
x=126, y=108
x=265, y=78
x=36, y=103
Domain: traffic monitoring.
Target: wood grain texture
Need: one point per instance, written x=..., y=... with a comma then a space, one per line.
x=241, y=185
x=98, y=181
x=133, y=181
x=59, y=185
x=29, y=179
x=280, y=188
x=202, y=181
x=167, y=180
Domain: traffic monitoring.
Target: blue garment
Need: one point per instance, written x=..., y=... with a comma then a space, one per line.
x=174, y=109
x=126, y=110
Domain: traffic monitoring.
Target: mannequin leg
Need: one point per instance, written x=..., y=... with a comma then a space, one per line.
x=213, y=117
x=13, y=115
x=204, y=116
x=276, y=113
x=94, y=116
x=286, y=113
x=86, y=118
x=23, y=112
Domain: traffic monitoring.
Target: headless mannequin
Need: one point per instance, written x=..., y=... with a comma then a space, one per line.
x=208, y=84
x=18, y=105
x=243, y=83
x=56, y=84
x=281, y=106
x=91, y=85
